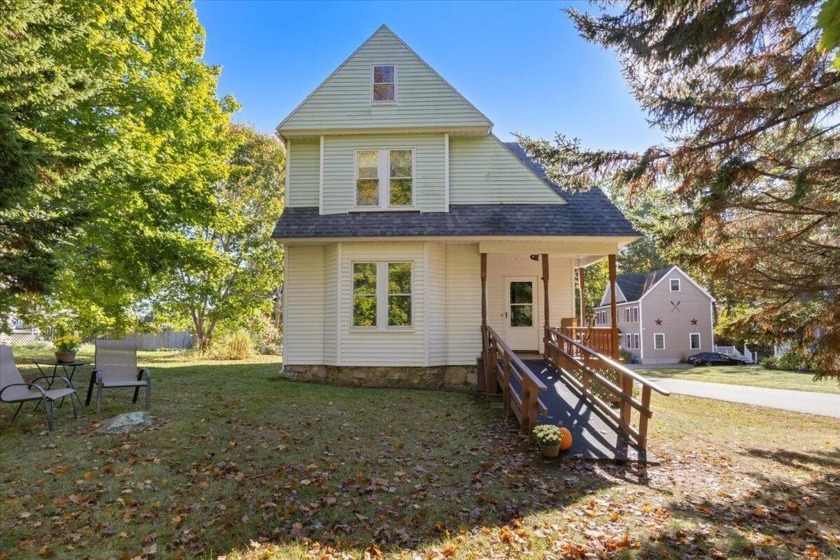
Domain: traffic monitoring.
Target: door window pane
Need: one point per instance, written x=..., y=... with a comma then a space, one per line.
x=521, y=304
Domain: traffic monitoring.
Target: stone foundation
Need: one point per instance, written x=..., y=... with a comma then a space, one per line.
x=438, y=377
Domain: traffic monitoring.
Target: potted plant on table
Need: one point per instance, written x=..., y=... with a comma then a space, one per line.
x=66, y=346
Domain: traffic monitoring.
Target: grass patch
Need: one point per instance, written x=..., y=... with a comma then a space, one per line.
x=753, y=376
x=244, y=464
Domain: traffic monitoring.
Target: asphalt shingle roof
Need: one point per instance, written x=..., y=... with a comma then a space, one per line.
x=634, y=286
x=587, y=213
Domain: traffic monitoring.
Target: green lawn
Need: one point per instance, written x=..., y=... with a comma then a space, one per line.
x=755, y=376
x=244, y=464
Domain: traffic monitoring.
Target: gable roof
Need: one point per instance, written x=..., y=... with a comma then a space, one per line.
x=636, y=286
x=424, y=99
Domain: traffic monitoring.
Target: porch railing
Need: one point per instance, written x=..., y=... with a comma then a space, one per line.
x=598, y=339
x=603, y=382
x=520, y=387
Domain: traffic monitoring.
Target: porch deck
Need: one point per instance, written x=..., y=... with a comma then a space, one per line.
x=594, y=438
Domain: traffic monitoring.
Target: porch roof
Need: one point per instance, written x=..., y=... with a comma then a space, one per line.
x=586, y=214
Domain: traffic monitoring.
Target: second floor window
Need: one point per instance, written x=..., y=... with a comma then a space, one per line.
x=384, y=178
x=384, y=83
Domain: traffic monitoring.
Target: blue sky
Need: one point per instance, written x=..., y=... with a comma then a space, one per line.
x=521, y=63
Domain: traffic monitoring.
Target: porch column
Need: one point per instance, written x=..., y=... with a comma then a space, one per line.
x=483, y=290
x=546, y=312
x=613, y=310
x=582, y=295
x=484, y=381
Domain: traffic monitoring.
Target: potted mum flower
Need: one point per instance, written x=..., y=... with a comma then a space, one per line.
x=548, y=437
x=66, y=346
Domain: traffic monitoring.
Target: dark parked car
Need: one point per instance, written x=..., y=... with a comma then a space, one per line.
x=714, y=359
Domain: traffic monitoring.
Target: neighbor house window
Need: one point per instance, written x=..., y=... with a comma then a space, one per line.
x=384, y=178
x=675, y=284
x=384, y=83
x=635, y=314
x=382, y=295
x=626, y=314
x=628, y=339
x=659, y=341
x=694, y=341
x=636, y=344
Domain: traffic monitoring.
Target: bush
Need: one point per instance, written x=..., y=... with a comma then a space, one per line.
x=794, y=360
x=232, y=346
x=768, y=363
x=625, y=355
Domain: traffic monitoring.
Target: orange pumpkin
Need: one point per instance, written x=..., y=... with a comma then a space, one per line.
x=565, y=439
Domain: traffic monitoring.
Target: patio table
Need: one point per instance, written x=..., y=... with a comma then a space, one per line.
x=68, y=369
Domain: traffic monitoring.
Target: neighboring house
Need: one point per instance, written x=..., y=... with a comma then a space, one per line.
x=663, y=316
x=402, y=210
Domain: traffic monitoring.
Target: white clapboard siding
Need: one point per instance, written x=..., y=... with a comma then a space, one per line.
x=436, y=308
x=304, y=314
x=382, y=347
x=483, y=171
x=561, y=289
x=331, y=304
x=303, y=173
x=340, y=163
x=343, y=101
x=463, y=304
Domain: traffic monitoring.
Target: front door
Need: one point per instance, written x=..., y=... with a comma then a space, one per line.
x=521, y=328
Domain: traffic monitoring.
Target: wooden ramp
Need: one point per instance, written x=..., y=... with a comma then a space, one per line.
x=594, y=436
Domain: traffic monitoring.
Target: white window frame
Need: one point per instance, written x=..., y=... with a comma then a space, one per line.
x=671, y=284
x=655, y=336
x=381, y=296
x=636, y=314
x=626, y=314
x=628, y=341
x=384, y=178
x=699, y=341
x=636, y=341
x=396, y=92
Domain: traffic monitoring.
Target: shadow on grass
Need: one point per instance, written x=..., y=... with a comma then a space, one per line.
x=236, y=456
x=775, y=518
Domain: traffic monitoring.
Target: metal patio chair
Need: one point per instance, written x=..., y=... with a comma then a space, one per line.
x=14, y=389
x=115, y=366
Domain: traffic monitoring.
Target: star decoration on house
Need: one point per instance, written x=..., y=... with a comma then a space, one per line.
x=659, y=321
x=694, y=321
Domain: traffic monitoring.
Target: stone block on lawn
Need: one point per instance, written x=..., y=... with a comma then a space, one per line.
x=125, y=423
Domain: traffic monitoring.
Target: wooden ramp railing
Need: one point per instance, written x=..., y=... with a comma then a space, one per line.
x=581, y=367
x=599, y=339
x=520, y=387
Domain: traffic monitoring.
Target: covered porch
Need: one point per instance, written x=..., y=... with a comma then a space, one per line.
x=571, y=373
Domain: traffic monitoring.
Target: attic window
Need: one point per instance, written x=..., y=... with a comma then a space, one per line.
x=385, y=83
x=675, y=284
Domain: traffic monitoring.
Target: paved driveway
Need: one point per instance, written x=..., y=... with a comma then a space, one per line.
x=823, y=404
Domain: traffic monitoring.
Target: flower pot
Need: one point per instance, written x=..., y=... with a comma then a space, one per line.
x=65, y=356
x=550, y=450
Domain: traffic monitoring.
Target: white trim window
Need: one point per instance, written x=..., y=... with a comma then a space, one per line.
x=382, y=294
x=636, y=314
x=626, y=314
x=383, y=83
x=628, y=341
x=659, y=341
x=675, y=284
x=694, y=341
x=385, y=178
x=636, y=341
